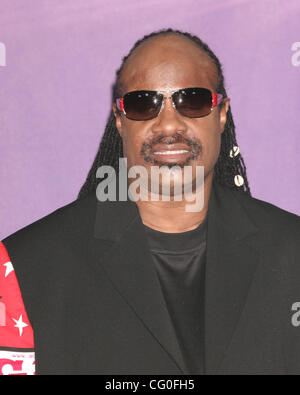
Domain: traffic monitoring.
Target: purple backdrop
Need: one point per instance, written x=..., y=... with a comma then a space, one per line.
x=60, y=62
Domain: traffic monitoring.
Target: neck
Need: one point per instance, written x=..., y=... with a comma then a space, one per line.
x=172, y=216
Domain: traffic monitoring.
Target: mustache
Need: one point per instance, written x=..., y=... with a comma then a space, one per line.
x=194, y=145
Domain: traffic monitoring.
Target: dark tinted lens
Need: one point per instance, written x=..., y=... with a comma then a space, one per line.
x=193, y=102
x=142, y=105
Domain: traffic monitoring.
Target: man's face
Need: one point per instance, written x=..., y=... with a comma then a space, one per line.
x=168, y=63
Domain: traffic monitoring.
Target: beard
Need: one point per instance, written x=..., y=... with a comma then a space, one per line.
x=148, y=156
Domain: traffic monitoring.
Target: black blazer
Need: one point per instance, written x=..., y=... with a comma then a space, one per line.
x=95, y=304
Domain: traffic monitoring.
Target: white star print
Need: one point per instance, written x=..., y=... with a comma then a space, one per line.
x=9, y=268
x=20, y=325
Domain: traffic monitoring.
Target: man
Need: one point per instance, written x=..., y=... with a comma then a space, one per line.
x=147, y=286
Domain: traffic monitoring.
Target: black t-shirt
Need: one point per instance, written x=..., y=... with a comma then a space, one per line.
x=180, y=263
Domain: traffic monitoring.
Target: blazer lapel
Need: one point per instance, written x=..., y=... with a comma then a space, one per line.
x=128, y=263
x=231, y=261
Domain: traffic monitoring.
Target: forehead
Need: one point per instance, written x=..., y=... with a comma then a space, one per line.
x=166, y=63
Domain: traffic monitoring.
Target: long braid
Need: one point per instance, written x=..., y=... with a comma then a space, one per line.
x=111, y=149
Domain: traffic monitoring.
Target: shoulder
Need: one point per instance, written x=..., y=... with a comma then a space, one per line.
x=61, y=220
x=267, y=216
x=57, y=231
x=278, y=237
x=51, y=250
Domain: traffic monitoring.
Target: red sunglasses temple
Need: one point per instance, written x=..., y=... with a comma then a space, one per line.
x=120, y=104
x=216, y=100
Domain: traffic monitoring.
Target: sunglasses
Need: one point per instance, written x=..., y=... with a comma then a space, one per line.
x=144, y=105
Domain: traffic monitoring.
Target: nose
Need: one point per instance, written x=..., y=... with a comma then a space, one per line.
x=169, y=121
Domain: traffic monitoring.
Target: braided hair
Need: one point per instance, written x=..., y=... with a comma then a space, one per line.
x=228, y=165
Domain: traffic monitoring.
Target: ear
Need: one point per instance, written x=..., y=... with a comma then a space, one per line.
x=118, y=118
x=223, y=113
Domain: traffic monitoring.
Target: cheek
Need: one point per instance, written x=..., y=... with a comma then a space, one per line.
x=213, y=144
x=210, y=137
x=132, y=142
